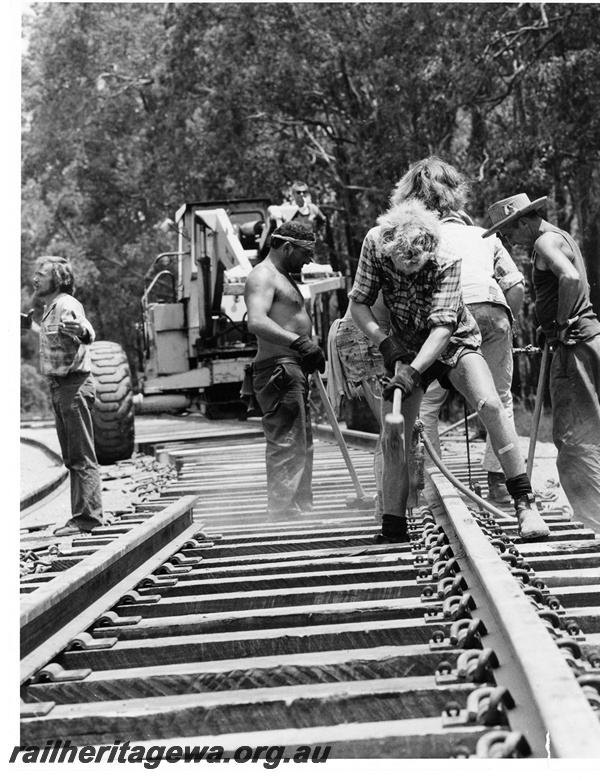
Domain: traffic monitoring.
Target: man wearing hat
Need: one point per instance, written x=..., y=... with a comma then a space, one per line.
x=571, y=328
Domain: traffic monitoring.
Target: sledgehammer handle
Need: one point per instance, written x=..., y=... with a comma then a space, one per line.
x=397, y=402
x=338, y=434
x=393, y=428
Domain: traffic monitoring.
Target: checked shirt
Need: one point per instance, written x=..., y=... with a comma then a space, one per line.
x=61, y=353
x=420, y=301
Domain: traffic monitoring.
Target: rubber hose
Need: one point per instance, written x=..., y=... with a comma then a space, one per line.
x=459, y=485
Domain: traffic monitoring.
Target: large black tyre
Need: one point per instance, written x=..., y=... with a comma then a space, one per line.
x=113, y=412
x=223, y=401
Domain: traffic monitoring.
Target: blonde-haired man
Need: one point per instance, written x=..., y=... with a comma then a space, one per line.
x=434, y=336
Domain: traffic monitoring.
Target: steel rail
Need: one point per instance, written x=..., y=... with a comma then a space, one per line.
x=550, y=706
x=306, y=632
x=39, y=493
x=53, y=614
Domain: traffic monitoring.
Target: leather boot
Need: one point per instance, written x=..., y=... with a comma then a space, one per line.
x=531, y=524
x=393, y=530
x=497, y=492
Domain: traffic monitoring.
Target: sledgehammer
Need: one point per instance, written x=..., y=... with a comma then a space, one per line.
x=393, y=440
x=362, y=500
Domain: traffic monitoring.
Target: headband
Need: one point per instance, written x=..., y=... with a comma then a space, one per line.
x=296, y=241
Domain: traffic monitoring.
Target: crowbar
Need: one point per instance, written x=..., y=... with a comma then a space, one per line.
x=537, y=411
x=362, y=499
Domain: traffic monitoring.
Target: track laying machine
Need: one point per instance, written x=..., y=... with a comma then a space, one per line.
x=195, y=342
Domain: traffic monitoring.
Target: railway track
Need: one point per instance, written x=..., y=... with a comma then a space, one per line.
x=467, y=643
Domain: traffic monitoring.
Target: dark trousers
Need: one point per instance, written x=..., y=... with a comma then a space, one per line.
x=281, y=388
x=72, y=399
x=575, y=395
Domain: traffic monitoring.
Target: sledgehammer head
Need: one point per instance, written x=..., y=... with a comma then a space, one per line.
x=361, y=501
x=393, y=433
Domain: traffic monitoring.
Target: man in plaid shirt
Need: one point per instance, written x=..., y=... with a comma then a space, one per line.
x=433, y=336
x=64, y=360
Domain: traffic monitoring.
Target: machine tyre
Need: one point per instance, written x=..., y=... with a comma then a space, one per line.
x=223, y=401
x=113, y=411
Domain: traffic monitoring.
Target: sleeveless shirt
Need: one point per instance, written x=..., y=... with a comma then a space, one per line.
x=545, y=283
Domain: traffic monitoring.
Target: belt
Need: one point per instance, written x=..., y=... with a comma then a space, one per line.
x=272, y=361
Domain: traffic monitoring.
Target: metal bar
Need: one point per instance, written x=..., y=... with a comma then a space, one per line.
x=338, y=434
x=467, y=443
x=454, y=425
x=537, y=412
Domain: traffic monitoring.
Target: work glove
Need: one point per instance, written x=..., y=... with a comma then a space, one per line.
x=407, y=379
x=311, y=356
x=392, y=352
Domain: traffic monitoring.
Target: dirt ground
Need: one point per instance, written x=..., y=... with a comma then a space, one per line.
x=37, y=469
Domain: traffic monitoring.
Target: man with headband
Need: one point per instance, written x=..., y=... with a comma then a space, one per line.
x=286, y=356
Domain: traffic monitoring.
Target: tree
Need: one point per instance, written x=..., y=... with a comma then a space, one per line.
x=132, y=109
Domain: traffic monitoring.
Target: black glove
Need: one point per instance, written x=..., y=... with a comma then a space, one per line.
x=392, y=351
x=311, y=357
x=407, y=379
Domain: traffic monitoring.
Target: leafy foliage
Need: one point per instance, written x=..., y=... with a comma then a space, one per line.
x=35, y=395
x=132, y=109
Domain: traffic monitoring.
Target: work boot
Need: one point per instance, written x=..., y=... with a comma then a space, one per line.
x=73, y=528
x=283, y=515
x=531, y=525
x=497, y=492
x=393, y=530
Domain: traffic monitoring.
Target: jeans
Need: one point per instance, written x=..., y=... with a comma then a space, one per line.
x=281, y=389
x=72, y=400
x=496, y=346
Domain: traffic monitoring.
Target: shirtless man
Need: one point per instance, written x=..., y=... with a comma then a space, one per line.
x=286, y=355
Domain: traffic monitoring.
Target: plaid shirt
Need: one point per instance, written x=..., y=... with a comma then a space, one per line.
x=60, y=353
x=418, y=302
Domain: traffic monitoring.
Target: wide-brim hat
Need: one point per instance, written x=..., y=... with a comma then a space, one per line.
x=509, y=209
